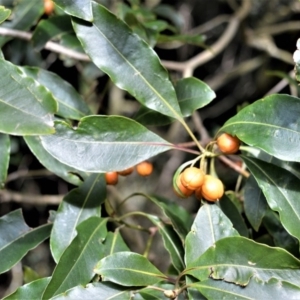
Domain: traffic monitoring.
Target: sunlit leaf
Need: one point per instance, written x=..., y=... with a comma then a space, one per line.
x=256, y=289
x=26, y=107
x=4, y=13
x=96, y=290
x=30, y=291
x=16, y=238
x=77, y=206
x=78, y=260
x=237, y=259
x=4, y=158
x=128, y=269
x=70, y=103
x=281, y=189
x=103, y=143
x=128, y=60
x=277, y=132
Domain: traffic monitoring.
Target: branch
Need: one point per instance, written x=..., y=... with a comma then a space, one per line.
x=51, y=46
x=8, y=196
x=188, y=66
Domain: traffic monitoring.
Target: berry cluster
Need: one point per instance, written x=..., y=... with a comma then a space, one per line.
x=144, y=168
x=195, y=180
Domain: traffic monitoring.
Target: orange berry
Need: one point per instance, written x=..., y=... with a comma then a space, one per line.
x=228, y=144
x=48, y=7
x=144, y=168
x=126, y=171
x=212, y=189
x=180, y=190
x=192, y=178
x=111, y=178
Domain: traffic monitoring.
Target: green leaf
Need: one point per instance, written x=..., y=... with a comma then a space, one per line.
x=281, y=189
x=193, y=94
x=24, y=15
x=51, y=28
x=150, y=293
x=26, y=107
x=149, y=117
x=171, y=241
x=128, y=60
x=4, y=13
x=128, y=269
x=65, y=172
x=114, y=243
x=180, y=219
x=96, y=290
x=29, y=275
x=16, y=238
x=270, y=124
x=4, y=158
x=237, y=259
x=77, y=206
x=182, y=38
x=231, y=211
x=210, y=225
x=256, y=289
x=70, y=103
x=103, y=143
x=30, y=291
x=78, y=8
x=78, y=260
x=281, y=238
x=255, y=203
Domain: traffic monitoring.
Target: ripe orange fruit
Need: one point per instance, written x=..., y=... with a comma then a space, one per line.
x=48, y=7
x=192, y=178
x=144, y=168
x=211, y=190
x=180, y=190
x=111, y=178
x=126, y=171
x=228, y=144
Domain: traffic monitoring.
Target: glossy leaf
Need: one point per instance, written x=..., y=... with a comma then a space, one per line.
x=231, y=211
x=52, y=164
x=281, y=189
x=193, y=94
x=78, y=260
x=78, y=8
x=51, y=28
x=124, y=57
x=180, y=219
x=32, y=290
x=149, y=117
x=150, y=293
x=96, y=290
x=256, y=289
x=4, y=158
x=70, y=103
x=114, y=243
x=16, y=238
x=24, y=15
x=171, y=241
x=77, y=206
x=26, y=107
x=103, y=143
x=255, y=203
x=280, y=236
x=210, y=225
x=128, y=269
x=276, y=132
x=237, y=259
x=4, y=13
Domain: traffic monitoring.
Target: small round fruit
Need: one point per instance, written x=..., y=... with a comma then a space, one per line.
x=192, y=178
x=48, y=7
x=111, y=178
x=212, y=189
x=228, y=144
x=180, y=190
x=144, y=168
x=126, y=171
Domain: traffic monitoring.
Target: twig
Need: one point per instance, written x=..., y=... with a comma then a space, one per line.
x=26, y=173
x=234, y=166
x=8, y=195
